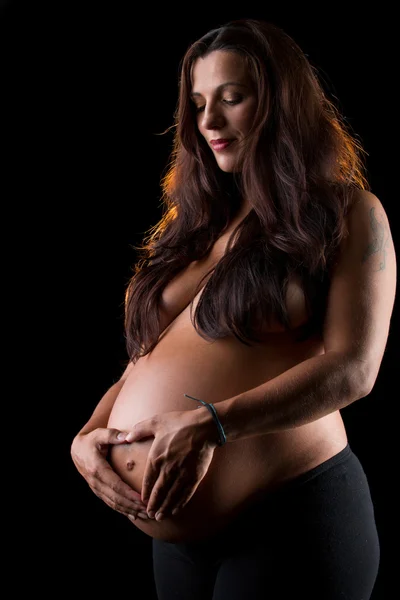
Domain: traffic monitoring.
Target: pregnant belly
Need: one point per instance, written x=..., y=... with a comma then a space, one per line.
x=157, y=384
x=217, y=499
x=241, y=471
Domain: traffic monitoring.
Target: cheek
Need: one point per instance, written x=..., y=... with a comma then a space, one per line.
x=198, y=124
x=246, y=119
x=246, y=123
x=201, y=133
x=244, y=126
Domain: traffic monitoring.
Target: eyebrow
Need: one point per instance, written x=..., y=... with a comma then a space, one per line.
x=219, y=87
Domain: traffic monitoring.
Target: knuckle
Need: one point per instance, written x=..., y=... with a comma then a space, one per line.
x=93, y=471
x=114, y=486
x=114, y=504
x=92, y=482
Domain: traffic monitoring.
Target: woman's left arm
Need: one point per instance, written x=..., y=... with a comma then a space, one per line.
x=356, y=328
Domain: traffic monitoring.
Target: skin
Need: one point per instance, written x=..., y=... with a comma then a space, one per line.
x=226, y=102
x=355, y=335
x=358, y=335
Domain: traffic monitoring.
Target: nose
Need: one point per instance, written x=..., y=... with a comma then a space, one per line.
x=212, y=118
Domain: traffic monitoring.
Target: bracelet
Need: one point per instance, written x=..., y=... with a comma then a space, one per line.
x=222, y=436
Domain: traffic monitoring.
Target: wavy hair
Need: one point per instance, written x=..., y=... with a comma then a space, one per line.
x=299, y=168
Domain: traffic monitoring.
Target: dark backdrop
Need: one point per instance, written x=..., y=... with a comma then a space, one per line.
x=89, y=86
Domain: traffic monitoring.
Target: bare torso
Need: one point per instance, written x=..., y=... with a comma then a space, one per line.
x=183, y=362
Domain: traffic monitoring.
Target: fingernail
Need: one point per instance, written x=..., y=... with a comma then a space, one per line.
x=120, y=435
x=159, y=516
x=131, y=517
x=151, y=514
x=143, y=515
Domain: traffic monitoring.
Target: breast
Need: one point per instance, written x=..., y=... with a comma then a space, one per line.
x=178, y=294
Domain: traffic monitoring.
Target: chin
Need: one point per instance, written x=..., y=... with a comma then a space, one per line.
x=228, y=168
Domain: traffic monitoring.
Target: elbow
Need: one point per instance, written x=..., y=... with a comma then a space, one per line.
x=362, y=376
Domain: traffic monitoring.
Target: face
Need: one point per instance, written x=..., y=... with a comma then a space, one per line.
x=225, y=102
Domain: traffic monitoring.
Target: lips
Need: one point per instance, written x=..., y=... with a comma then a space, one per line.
x=221, y=144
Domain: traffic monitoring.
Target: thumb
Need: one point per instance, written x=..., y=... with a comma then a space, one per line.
x=139, y=431
x=112, y=436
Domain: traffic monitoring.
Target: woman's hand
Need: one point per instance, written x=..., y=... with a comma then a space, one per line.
x=89, y=452
x=179, y=457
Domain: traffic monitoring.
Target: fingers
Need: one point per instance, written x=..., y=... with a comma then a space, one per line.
x=142, y=429
x=131, y=513
x=119, y=504
x=149, y=479
x=115, y=492
x=111, y=436
x=164, y=503
x=123, y=493
x=89, y=453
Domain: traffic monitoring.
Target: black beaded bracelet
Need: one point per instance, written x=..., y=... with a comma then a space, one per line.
x=211, y=408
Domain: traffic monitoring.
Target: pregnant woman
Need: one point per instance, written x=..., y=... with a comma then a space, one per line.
x=259, y=308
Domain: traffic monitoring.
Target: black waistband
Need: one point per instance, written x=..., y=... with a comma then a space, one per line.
x=321, y=468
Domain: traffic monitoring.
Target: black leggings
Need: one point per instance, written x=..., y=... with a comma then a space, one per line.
x=313, y=538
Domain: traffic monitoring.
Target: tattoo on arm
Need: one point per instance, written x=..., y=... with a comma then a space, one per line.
x=380, y=242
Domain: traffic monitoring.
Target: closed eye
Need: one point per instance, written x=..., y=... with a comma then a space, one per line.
x=230, y=102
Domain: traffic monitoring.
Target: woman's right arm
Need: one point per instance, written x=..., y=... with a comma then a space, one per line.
x=89, y=450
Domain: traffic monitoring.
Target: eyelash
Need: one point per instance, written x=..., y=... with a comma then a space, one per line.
x=230, y=102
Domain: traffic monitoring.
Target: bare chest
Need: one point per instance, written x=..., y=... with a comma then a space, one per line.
x=189, y=285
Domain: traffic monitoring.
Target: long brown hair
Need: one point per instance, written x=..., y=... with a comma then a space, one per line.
x=299, y=167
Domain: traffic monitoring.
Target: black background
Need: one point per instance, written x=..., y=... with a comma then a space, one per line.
x=86, y=89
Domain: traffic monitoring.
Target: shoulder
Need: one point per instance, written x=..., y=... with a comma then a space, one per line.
x=360, y=200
